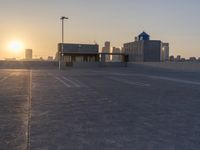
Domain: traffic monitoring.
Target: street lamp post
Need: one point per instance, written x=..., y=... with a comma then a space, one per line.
x=61, y=52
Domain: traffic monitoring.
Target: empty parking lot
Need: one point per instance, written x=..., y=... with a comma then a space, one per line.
x=99, y=109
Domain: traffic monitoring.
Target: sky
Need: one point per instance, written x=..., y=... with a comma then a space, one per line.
x=36, y=24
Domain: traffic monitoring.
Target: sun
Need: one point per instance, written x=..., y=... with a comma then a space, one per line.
x=16, y=46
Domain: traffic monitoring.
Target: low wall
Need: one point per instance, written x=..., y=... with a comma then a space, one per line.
x=28, y=64
x=174, y=66
x=113, y=64
x=98, y=64
x=54, y=65
x=86, y=64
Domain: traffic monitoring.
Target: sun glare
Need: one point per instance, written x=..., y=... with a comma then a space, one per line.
x=15, y=46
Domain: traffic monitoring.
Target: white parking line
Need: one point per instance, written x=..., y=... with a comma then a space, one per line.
x=63, y=82
x=175, y=80
x=80, y=83
x=72, y=82
x=160, y=78
x=3, y=79
x=129, y=82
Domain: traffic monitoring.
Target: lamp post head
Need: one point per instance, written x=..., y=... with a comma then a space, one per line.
x=63, y=17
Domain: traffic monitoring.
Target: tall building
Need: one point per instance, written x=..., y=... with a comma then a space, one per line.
x=171, y=58
x=122, y=50
x=165, y=52
x=143, y=49
x=178, y=58
x=106, y=49
x=116, y=58
x=28, y=54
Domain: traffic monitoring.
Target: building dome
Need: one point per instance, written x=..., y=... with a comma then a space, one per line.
x=144, y=36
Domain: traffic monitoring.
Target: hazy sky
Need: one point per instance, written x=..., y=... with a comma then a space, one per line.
x=36, y=23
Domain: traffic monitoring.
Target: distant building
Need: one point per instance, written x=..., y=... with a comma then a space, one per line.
x=106, y=49
x=50, y=58
x=192, y=59
x=171, y=58
x=78, y=52
x=10, y=59
x=28, y=54
x=143, y=49
x=56, y=56
x=116, y=58
x=178, y=58
x=165, y=52
x=183, y=59
x=122, y=50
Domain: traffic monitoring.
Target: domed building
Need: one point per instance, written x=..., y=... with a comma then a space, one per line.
x=145, y=50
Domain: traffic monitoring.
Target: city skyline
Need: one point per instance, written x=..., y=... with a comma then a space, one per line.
x=37, y=24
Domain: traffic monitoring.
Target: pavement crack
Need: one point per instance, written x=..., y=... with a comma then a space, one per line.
x=29, y=110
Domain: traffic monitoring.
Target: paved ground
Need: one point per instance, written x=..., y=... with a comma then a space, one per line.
x=99, y=109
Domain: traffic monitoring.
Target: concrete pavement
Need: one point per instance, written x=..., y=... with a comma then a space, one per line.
x=101, y=109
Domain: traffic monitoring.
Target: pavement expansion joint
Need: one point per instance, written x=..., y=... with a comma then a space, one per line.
x=29, y=110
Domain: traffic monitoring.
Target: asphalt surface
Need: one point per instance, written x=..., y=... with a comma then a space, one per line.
x=99, y=109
